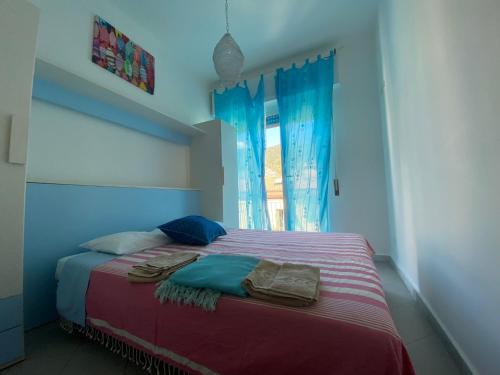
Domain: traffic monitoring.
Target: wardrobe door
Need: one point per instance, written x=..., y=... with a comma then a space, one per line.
x=18, y=33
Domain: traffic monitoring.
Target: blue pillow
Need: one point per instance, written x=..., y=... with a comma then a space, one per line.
x=193, y=230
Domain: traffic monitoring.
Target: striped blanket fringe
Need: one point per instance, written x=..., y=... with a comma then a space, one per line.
x=184, y=295
x=143, y=360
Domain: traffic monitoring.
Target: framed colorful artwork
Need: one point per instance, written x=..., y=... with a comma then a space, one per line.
x=115, y=52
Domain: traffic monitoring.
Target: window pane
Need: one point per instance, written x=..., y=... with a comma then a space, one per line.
x=274, y=180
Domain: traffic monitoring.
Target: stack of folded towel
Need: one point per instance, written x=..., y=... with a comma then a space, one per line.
x=285, y=284
x=160, y=268
x=202, y=283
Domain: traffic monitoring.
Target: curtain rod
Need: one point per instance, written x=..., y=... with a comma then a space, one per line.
x=283, y=64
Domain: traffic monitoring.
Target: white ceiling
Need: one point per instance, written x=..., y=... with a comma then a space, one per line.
x=266, y=30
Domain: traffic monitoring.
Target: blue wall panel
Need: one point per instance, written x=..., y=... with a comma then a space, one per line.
x=60, y=217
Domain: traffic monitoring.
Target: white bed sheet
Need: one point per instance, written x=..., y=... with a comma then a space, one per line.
x=61, y=262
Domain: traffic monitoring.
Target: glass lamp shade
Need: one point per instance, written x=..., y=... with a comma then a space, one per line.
x=228, y=60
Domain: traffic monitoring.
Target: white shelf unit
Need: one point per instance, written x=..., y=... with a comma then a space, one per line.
x=214, y=171
x=74, y=83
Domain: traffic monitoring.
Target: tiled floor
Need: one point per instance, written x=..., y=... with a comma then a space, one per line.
x=50, y=351
x=428, y=353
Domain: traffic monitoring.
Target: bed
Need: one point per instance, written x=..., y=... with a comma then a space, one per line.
x=348, y=332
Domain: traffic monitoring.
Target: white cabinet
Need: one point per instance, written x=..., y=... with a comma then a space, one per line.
x=18, y=33
x=214, y=171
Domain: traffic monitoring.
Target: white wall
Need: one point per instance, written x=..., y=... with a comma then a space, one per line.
x=362, y=204
x=67, y=146
x=442, y=103
x=18, y=27
x=65, y=40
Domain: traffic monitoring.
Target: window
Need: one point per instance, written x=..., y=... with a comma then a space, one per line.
x=274, y=180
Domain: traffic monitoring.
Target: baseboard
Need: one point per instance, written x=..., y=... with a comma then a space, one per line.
x=451, y=345
x=382, y=258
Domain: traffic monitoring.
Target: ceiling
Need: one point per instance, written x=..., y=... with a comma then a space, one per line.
x=266, y=30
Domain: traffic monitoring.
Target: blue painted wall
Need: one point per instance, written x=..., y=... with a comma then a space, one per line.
x=55, y=94
x=60, y=217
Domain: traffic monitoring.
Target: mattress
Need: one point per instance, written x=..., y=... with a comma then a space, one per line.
x=349, y=331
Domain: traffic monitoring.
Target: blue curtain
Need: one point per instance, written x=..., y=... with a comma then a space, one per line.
x=305, y=108
x=237, y=107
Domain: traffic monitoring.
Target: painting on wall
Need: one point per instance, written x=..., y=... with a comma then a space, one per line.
x=115, y=52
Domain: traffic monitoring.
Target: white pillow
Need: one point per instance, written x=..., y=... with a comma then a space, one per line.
x=127, y=242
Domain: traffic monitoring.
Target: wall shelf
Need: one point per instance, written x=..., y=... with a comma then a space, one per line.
x=61, y=87
x=76, y=183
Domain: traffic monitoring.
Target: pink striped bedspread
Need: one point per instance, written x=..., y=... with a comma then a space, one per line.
x=348, y=332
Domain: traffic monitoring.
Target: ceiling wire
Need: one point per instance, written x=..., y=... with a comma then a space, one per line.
x=227, y=17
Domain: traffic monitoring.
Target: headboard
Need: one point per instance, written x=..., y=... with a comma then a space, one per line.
x=59, y=217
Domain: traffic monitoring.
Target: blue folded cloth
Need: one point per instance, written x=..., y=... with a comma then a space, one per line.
x=201, y=283
x=223, y=273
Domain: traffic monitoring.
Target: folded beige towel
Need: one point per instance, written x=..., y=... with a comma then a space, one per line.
x=160, y=268
x=285, y=284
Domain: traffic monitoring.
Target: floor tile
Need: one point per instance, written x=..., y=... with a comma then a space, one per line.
x=430, y=357
x=397, y=295
x=133, y=369
x=92, y=358
x=427, y=352
x=41, y=365
x=411, y=323
x=48, y=349
x=386, y=271
x=50, y=340
x=395, y=290
x=389, y=276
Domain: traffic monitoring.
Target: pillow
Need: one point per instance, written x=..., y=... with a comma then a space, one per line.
x=193, y=230
x=127, y=242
